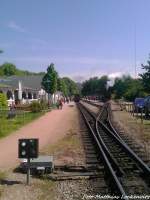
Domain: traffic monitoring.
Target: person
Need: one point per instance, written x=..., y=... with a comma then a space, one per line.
x=57, y=104
x=60, y=104
x=67, y=100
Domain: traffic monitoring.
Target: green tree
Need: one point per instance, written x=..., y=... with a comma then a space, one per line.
x=146, y=76
x=96, y=86
x=1, y=51
x=3, y=101
x=128, y=88
x=135, y=89
x=8, y=69
x=61, y=86
x=121, y=85
x=90, y=87
x=49, y=81
x=71, y=87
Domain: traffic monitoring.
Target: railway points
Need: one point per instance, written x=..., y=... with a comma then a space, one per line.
x=134, y=169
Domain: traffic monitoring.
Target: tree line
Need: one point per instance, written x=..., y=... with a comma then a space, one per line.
x=96, y=86
x=9, y=69
x=124, y=87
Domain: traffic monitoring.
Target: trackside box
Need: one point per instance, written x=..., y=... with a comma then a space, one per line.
x=42, y=163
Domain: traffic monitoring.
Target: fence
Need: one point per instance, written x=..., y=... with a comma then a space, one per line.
x=134, y=111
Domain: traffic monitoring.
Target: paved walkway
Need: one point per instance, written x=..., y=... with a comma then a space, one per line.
x=48, y=128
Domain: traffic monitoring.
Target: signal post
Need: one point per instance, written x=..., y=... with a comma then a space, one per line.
x=28, y=148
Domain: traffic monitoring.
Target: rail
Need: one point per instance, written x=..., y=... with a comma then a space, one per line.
x=115, y=182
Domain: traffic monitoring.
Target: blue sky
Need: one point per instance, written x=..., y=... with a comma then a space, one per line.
x=82, y=38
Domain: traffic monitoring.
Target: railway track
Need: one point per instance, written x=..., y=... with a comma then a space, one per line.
x=126, y=174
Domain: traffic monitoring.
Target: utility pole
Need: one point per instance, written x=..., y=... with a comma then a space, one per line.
x=135, y=53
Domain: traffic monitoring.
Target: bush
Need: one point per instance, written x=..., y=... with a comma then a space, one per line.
x=35, y=106
x=3, y=101
x=44, y=104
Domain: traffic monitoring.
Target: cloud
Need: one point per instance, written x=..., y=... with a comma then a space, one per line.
x=115, y=74
x=79, y=78
x=12, y=25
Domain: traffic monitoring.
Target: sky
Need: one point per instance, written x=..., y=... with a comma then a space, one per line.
x=83, y=38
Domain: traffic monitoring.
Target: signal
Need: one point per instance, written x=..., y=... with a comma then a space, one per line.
x=28, y=148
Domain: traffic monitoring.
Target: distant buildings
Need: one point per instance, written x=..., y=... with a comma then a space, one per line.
x=22, y=89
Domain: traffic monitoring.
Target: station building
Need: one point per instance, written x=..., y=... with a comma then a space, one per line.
x=22, y=89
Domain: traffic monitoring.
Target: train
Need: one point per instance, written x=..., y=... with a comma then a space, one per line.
x=77, y=98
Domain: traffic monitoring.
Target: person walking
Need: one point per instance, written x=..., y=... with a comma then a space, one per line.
x=60, y=104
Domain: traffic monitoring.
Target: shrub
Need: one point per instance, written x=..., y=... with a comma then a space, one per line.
x=35, y=106
x=3, y=101
x=44, y=105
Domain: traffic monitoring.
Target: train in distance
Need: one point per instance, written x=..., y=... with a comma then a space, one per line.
x=77, y=98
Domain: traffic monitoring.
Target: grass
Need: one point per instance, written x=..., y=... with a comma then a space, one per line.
x=47, y=189
x=7, y=126
x=70, y=141
x=2, y=177
x=66, y=151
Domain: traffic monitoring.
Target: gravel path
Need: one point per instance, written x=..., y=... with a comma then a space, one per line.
x=48, y=128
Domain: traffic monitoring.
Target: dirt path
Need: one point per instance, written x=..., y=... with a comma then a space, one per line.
x=48, y=128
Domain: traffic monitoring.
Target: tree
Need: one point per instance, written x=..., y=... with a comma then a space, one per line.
x=146, y=76
x=3, y=101
x=49, y=81
x=96, y=86
x=8, y=69
x=135, y=89
x=1, y=51
x=61, y=86
x=128, y=88
x=90, y=86
x=121, y=85
x=71, y=86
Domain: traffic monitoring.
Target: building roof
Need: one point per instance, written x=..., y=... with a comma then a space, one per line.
x=30, y=81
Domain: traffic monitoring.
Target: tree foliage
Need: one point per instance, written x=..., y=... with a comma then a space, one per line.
x=49, y=81
x=61, y=86
x=9, y=69
x=95, y=86
x=128, y=88
x=71, y=87
x=146, y=76
x=3, y=101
